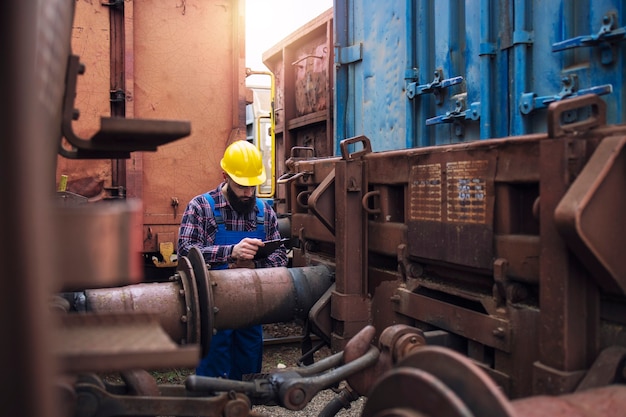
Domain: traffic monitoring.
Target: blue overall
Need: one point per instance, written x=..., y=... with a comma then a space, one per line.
x=234, y=353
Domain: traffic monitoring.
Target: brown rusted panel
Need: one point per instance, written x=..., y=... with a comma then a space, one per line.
x=302, y=65
x=518, y=364
x=111, y=342
x=609, y=401
x=586, y=215
x=500, y=279
x=349, y=307
x=379, y=164
x=482, y=328
x=197, y=75
x=382, y=287
x=90, y=41
x=518, y=160
x=567, y=295
x=522, y=254
x=312, y=228
x=350, y=230
x=451, y=199
x=384, y=238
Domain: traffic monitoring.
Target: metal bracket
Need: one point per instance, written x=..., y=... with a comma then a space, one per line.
x=351, y=156
x=348, y=54
x=606, y=36
x=529, y=102
x=523, y=37
x=118, y=136
x=117, y=4
x=435, y=86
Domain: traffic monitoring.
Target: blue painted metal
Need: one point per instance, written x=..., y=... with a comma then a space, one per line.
x=487, y=50
x=411, y=75
x=423, y=21
x=513, y=56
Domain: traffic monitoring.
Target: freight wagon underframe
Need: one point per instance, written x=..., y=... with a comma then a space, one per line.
x=506, y=250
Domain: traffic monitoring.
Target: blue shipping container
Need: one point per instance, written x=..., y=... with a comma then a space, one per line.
x=416, y=73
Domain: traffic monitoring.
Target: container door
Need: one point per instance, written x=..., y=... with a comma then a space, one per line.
x=418, y=73
x=162, y=61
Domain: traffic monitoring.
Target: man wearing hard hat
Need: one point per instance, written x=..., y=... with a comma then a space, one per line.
x=228, y=225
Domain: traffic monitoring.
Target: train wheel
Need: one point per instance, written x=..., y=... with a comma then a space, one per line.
x=436, y=381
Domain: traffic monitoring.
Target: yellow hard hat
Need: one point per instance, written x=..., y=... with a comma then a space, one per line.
x=243, y=162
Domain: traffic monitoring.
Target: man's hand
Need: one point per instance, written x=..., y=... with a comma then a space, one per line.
x=246, y=249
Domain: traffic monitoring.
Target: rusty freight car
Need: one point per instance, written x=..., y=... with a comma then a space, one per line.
x=190, y=68
x=482, y=243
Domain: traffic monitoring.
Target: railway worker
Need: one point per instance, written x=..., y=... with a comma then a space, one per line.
x=228, y=225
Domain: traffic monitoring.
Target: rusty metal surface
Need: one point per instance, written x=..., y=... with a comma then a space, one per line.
x=609, y=401
x=101, y=244
x=166, y=301
x=586, y=214
x=197, y=301
x=174, y=402
x=186, y=86
x=609, y=368
x=109, y=342
x=569, y=322
x=201, y=71
x=269, y=295
x=302, y=65
x=465, y=239
x=436, y=381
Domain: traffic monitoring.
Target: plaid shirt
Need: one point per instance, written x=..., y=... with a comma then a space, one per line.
x=198, y=228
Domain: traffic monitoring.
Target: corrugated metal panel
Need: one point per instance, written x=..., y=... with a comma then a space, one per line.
x=392, y=57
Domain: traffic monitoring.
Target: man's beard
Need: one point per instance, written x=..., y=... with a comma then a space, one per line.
x=240, y=205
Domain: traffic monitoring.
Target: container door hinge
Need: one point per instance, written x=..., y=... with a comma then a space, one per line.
x=605, y=39
x=529, y=102
x=523, y=37
x=118, y=4
x=435, y=86
x=348, y=54
x=457, y=116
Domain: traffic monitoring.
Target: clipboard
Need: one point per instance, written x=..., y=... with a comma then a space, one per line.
x=270, y=246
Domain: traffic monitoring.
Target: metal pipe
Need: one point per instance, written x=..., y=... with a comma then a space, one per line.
x=520, y=54
x=424, y=22
x=411, y=66
x=246, y=297
x=485, y=70
x=231, y=298
x=162, y=299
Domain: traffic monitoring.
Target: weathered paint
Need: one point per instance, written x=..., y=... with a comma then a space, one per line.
x=183, y=61
x=505, y=51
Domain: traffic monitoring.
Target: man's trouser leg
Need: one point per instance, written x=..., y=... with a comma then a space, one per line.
x=247, y=351
x=217, y=363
